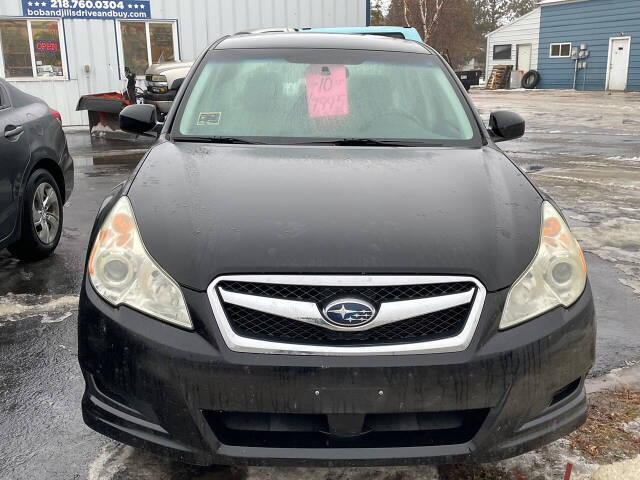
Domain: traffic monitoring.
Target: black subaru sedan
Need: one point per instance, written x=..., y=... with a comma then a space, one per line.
x=325, y=259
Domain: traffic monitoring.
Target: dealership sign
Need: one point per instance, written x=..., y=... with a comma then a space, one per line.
x=95, y=9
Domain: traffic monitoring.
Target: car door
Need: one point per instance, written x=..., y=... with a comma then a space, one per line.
x=14, y=157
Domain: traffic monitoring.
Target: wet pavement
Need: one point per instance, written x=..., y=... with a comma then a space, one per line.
x=583, y=149
x=41, y=429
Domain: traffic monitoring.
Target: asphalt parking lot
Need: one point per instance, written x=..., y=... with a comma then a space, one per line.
x=582, y=148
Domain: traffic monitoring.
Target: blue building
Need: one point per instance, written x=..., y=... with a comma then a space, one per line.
x=609, y=30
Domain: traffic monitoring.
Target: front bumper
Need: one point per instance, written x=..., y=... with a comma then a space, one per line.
x=162, y=101
x=155, y=386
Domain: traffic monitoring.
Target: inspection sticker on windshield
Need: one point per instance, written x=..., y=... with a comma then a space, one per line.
x=327, y=90
x=209, y=118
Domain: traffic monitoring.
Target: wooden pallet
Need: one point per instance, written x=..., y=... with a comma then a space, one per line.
x=500, y=77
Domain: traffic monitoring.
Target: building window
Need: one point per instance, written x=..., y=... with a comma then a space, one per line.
x=144, y=43
x=560, y=50
x=502, y=52
x=32, y=49
x=161, y=42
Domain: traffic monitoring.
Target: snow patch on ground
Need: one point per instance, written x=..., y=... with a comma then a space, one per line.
x=633, y=428
x=634, y=284
x=55, y=319
x=117, y=462
x=626, y=470
x=17, y=307
x=109, y=463
x=615, y=240
x=580, y=218
x=619, y=157
x=549, y=461
x=606, y=184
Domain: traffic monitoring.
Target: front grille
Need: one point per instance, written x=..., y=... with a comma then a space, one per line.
x=250, y=429
x=314, y=314
x=263, y=326
x=321, y=293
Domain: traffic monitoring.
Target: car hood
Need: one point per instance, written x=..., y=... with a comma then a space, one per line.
x=205, y=210
x=162, y=68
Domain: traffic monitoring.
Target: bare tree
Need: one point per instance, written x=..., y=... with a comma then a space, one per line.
x=377, y=13
x=517, y=8
x=428, y=13
x=490, y=14
x=454, y=31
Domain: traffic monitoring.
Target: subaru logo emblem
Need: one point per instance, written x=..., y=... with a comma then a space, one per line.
x=349, y=312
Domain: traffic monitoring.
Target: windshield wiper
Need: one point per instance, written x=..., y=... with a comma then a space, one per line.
x=237, y=140
x=357, y=142
x=371, y=142
x=230, y=140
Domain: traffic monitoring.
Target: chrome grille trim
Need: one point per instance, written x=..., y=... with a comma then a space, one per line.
x=239, y=343
x=308, y=312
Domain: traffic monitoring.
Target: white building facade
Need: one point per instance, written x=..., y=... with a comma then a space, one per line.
x=515, y=44
x=60, y=50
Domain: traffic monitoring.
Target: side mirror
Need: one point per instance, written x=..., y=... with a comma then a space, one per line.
x=505, y=125
x=177, y=83
x=139, y=118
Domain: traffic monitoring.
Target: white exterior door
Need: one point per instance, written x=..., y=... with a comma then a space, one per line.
x=618, y=63
x=524, y=58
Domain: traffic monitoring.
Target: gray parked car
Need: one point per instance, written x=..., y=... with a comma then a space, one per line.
x=36, y=174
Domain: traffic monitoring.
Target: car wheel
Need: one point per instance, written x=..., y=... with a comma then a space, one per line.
x=41, y=218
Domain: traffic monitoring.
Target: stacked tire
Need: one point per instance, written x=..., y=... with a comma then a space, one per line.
x=530, y=79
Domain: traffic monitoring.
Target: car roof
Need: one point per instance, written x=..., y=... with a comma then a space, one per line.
x=409, y=33
x=322, y=40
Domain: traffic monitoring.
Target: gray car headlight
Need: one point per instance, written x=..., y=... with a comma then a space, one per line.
x=123, y=273
x=556, y=276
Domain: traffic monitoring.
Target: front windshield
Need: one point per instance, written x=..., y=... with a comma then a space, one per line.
x=314, y=95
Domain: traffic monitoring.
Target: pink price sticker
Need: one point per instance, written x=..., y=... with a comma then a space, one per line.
x=327, y=90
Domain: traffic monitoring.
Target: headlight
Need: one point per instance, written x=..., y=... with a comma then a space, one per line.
x=158, y=78
x=123, y=273
x=556, y=276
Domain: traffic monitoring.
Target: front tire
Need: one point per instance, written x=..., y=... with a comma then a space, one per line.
x=41, y=218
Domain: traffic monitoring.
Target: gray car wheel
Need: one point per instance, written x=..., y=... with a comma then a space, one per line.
x=45, y=213
x=41, y=224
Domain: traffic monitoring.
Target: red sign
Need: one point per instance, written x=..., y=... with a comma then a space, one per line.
x=327, y=90
x=45, y=46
